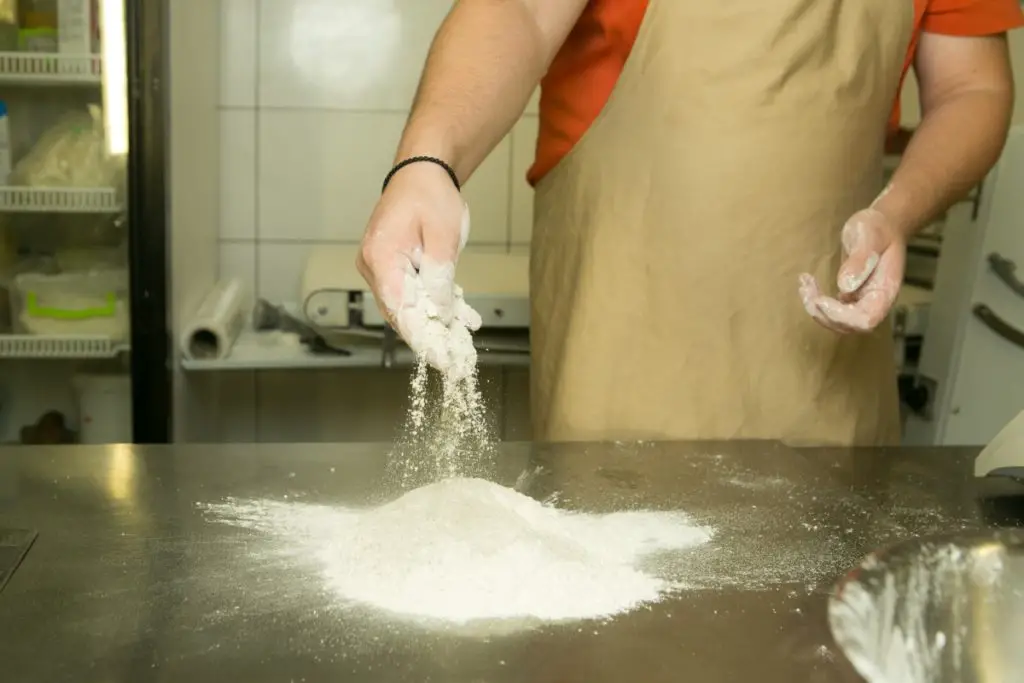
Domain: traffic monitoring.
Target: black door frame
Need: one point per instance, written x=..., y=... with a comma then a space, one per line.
x=148, y=245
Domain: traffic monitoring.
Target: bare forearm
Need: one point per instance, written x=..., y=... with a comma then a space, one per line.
x=953, y=149
x=967, y=102
x=484, y=64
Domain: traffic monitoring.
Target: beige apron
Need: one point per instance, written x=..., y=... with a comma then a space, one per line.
x=668, y=243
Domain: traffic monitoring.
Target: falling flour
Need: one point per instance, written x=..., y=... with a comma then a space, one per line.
x=446, y=431
x=463, y=550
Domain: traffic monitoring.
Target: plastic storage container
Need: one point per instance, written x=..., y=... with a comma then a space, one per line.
x=90, y=259
x=82, y=303
x=37, y=24
x=104, y=408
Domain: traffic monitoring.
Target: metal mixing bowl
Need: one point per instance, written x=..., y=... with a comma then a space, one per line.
x=936, y=610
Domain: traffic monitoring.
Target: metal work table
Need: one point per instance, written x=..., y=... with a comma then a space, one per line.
x=129, y=581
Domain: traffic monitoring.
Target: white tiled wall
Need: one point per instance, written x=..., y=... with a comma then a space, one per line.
x=314, y=94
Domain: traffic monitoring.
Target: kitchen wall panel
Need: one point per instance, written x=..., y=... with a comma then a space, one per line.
x=238, y=53
x=354, y=55
x=320, y=173
x=314, y=95
x=194, y=88
x=238, y=173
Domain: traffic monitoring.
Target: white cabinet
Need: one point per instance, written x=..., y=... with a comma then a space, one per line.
x=972, y=362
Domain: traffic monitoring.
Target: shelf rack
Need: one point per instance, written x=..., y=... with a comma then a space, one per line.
x=256, y=351
x=49, y=69
x=58, y=200
x=30, y=346
x=275, y=351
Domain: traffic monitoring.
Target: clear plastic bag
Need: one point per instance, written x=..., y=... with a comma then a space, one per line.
x=71, y=154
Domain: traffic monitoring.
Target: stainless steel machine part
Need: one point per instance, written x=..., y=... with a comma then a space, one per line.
x=131, y=582
x=1004, y=455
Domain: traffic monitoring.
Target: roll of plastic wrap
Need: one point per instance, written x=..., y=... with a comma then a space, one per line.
x=216, y=325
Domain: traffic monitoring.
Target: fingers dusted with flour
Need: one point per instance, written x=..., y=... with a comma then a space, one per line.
x=869, y=278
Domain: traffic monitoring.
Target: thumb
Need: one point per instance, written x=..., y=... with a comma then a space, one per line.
x=857, y=268
x=464, y=227
x=860, y=244
x=437, y=269
x=438, y=281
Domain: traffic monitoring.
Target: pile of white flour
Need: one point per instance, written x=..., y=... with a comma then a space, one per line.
x=467, y=550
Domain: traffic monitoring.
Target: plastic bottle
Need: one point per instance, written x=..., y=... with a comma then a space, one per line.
x=5, y=143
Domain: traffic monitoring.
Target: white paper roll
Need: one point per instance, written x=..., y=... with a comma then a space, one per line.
x=216, y=325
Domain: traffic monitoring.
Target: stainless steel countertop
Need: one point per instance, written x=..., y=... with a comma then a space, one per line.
x=129, y=582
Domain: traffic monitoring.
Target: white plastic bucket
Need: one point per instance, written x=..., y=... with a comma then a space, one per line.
x=104, y=408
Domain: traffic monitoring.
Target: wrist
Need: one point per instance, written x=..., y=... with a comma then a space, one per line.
x=437, y=143
x=425, y=161
x=893, y=207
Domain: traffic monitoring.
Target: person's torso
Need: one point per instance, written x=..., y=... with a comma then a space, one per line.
x=668, y=243
x=586, y=69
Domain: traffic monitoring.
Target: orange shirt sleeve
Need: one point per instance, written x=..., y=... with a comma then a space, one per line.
x=972, y=17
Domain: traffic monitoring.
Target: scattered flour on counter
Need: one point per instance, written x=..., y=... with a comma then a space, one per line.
x=463, y=551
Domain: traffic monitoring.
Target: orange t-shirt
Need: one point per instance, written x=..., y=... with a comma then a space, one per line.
x=582, y=75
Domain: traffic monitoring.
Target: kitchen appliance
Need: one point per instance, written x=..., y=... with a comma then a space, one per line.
x=1004, y=455
x=334, y=294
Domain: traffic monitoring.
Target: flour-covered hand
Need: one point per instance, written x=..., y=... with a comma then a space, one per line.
x=419, y=226
x=464, y=314
x=869, y=280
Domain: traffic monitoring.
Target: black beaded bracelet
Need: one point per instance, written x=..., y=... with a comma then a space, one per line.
x=414, y=160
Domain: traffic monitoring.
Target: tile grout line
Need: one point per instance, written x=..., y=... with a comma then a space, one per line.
x=316, y=109
x=375, y=111
x=510, y=183
x=281, y=241
x=257, y=401
x=256, y=146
